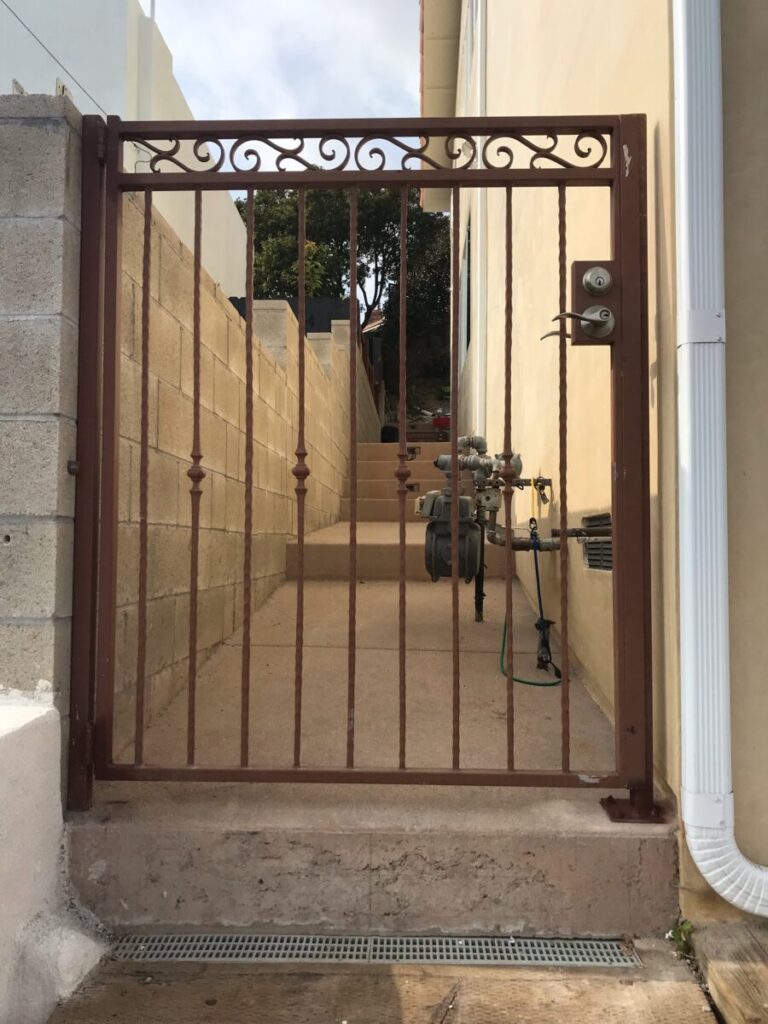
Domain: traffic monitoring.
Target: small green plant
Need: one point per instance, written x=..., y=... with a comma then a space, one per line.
x=680, y=937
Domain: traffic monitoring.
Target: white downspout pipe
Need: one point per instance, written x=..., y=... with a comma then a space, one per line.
x=707, y=794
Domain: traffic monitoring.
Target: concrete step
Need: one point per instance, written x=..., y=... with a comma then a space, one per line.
x=384, y=469
x=381, y=510
x=326, y=552
x=369, y=859
x=427, y=450
x=388, y=488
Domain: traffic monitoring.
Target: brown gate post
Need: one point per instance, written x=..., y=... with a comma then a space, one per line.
x=631, y=483
x=108, y=488
x=82, y=666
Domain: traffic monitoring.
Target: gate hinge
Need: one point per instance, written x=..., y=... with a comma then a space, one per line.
x=89, y=745
x=101, y=144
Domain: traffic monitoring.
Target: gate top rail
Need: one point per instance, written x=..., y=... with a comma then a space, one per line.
x=431, y=152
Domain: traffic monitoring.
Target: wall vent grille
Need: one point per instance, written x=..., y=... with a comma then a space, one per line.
x=598, y=551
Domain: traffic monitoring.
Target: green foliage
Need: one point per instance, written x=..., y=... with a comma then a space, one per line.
x=428, y=298
x=275, y=266
x=680, y=937
x=275, y=257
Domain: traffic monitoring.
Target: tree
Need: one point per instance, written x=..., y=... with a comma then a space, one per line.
x=275, y=266
x=428, y=300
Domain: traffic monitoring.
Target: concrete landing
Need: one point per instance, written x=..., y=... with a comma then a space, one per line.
x=662, y=990
x=352, y=858
x=428, y=680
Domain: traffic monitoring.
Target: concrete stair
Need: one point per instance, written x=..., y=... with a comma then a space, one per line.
x=369, y=859
x=377, y=500
x=326, y=552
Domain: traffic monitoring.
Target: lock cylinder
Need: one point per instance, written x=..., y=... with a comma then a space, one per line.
x=598, y=321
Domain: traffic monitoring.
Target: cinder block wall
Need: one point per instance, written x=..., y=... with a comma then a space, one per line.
x=223, y=441
x=39, y=270
x=40, y=177
x=44, y=950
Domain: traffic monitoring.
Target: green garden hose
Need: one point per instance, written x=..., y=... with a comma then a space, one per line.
x=518, y=679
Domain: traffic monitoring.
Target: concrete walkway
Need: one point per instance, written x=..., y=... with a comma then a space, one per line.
x=429, y=681
x=661, y=992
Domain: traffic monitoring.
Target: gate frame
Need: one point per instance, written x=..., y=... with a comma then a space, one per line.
x=93, y=627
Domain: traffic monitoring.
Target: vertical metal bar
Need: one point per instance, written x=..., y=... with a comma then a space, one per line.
x=631, y=484
x=245, y=683
x=110, y=404
x=508, y=475
x=565, y=696
x=402, y=473
x=354, y=325
x=141, y=655
x=196, y=474
x=301, y=472
x=455, y=485
x=82, y=672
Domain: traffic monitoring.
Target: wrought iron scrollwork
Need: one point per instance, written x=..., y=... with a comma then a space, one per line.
x=502, y=150
x=588, y=150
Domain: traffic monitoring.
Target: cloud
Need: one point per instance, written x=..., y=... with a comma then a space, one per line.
x=294, y=58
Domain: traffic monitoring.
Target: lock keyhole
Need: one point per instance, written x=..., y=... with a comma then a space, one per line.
x=597, y=281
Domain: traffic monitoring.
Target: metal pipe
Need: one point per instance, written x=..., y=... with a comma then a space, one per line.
x=583, y=531
x=498, y=535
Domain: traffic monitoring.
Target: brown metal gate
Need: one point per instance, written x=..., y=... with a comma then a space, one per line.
x=507, y=154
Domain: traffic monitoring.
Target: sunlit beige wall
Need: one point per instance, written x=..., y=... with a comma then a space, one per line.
x=552, y=58
x=558, y=57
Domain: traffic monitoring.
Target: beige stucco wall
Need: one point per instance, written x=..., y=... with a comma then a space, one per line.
x=539, y=62
x=633, y=74
x=223, y=439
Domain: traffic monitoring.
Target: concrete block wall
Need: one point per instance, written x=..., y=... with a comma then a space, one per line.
x=40, y=178
x=39, y=271
x=44, y=948
x=223, y=441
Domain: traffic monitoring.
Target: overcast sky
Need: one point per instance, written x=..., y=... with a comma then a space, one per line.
x=294, y=58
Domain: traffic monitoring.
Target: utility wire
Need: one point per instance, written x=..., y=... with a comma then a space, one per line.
x=52, y=55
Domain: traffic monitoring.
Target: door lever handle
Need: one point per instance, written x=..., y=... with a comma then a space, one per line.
x=553, y=334
x=584, y=318
x=596, y=322
x=569, y=316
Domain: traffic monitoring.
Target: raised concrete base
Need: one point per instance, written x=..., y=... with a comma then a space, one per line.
x=370, y=859
x=45, y=948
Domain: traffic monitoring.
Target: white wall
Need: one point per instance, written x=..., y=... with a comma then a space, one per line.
x=113, y=60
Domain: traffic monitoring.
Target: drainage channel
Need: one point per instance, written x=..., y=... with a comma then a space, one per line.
x=391, y=949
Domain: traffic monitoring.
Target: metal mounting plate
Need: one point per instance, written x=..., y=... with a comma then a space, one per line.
x=581, y=299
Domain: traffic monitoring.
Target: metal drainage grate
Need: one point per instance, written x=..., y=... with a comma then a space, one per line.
x=427, y=949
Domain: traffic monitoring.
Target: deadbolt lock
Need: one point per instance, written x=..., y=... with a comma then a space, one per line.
x=596, y=301
x=597, y=281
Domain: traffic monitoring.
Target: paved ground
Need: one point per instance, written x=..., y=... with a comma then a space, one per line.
x=429, y=681
x=661, y=992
